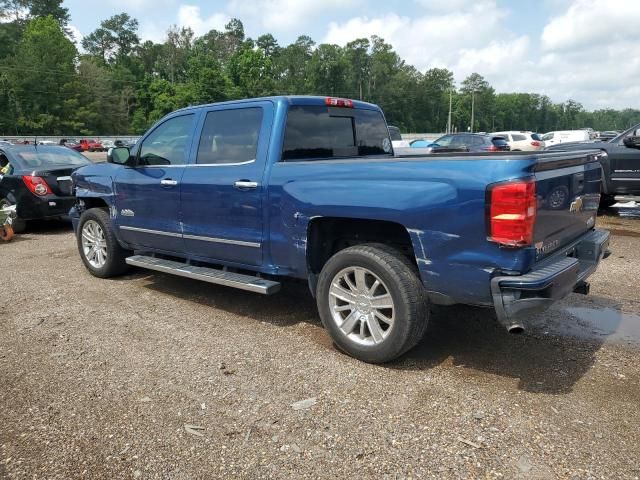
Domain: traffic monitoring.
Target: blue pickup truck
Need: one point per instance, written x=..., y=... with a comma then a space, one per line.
x=246, y=193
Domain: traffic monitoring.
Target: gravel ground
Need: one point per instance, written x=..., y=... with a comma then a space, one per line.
x=102, y=379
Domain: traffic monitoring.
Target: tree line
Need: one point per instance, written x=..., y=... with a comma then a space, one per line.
x=118, y=84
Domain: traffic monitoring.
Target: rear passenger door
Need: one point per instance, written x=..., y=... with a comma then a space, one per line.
x=222, y=189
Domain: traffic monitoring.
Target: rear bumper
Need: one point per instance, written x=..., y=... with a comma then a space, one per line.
x=46, y=207
x=516, y=297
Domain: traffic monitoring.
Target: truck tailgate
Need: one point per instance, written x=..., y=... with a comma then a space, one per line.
x=568, y=194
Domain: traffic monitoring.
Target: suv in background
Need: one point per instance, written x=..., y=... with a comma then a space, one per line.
x=522, y=141
x=473, y=142
x=91, y=146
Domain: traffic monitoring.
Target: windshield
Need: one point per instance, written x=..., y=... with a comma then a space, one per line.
x=50, y=157
x=445, y=141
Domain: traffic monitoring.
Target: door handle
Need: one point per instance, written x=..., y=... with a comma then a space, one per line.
x=245, y=185
x=169, y=182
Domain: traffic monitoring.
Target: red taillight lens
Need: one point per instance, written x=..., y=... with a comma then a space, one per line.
x=492, y=148
x=535, y=143
x=338, y=102
x=512, y=213
x=37, y=185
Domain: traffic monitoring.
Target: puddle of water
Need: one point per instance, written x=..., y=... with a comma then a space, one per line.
x=600, y=323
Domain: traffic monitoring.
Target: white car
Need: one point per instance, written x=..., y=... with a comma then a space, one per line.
x=522, y=141
x=566, y=136
x=47, y=142
x=396, y=138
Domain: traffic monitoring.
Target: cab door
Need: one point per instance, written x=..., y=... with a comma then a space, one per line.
x=148, y=193
x=222, y=190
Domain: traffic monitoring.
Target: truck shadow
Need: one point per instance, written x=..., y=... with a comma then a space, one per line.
x=546, y=359
x=556, y=351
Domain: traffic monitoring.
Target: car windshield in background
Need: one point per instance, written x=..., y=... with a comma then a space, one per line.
x=41, y=157
x=395, y=133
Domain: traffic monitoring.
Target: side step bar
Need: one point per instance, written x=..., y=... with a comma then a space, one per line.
x=210, y=275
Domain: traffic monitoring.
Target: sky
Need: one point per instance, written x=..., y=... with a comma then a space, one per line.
x=585, y=50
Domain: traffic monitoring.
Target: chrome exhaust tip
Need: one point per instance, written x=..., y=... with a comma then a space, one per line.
x=515, y=329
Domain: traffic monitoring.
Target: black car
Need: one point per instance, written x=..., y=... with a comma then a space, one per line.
x=38, y=180
x=473, y=142
x=620, y=171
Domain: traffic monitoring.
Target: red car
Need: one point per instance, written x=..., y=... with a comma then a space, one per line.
x=91, y=146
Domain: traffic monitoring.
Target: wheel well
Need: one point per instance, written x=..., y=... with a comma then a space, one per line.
x=328, y=235
x=91, y=202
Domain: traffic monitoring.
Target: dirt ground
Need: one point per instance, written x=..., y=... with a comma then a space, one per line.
x=151, y=376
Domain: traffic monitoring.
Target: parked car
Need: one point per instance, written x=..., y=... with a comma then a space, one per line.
x=47, y=143
x=107, y=144
x=91, y=146
x=72, y=144
x=607, y=135
x=620, y=165
x=473, y=142
x=37, y=180
x=522, y=141
x=123, y=143
x=565, y=136
x=246, y=193
x=396, y=138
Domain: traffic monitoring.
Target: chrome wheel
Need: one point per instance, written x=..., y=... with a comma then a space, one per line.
x=94, y=244
x=361, y=306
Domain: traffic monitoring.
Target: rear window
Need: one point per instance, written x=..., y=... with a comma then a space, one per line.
x=395, y=133
x=499, y=141
x=40, y=157
x=319, y=132
x=537, y=137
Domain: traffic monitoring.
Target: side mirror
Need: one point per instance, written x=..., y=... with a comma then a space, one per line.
x=118, y=155
x=632, y=142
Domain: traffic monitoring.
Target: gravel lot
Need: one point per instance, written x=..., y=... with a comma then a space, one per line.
x=101, y=379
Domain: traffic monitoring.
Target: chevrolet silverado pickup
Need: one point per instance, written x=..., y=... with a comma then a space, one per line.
x=247, y=193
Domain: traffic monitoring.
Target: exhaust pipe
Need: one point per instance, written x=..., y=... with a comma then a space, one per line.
x=515, y=329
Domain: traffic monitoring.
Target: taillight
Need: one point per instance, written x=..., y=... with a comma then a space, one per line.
x=535, y=143
x=492, y=148
x=512, y=213
x=37, y=185
x=338, y=102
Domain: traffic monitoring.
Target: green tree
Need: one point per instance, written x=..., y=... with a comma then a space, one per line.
x=42, y=67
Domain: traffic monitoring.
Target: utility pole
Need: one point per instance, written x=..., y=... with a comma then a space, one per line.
x=473, y=102
x=449, y=119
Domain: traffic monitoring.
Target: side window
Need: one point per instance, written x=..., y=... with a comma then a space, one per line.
x=230, y=136
x=477, y=141
x=519, y=138
x=168, y=144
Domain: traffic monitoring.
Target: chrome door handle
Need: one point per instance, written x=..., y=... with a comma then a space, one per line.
x=245, y=185
x=169, y=182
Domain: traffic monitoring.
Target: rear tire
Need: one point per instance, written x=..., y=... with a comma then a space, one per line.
x=19, y=225
x=98, y=247
x=372, y=302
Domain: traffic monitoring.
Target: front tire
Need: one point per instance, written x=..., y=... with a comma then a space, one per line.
x=99, y=249
x=372, y=302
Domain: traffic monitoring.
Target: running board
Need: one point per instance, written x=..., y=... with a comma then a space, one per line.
x=205, y=274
